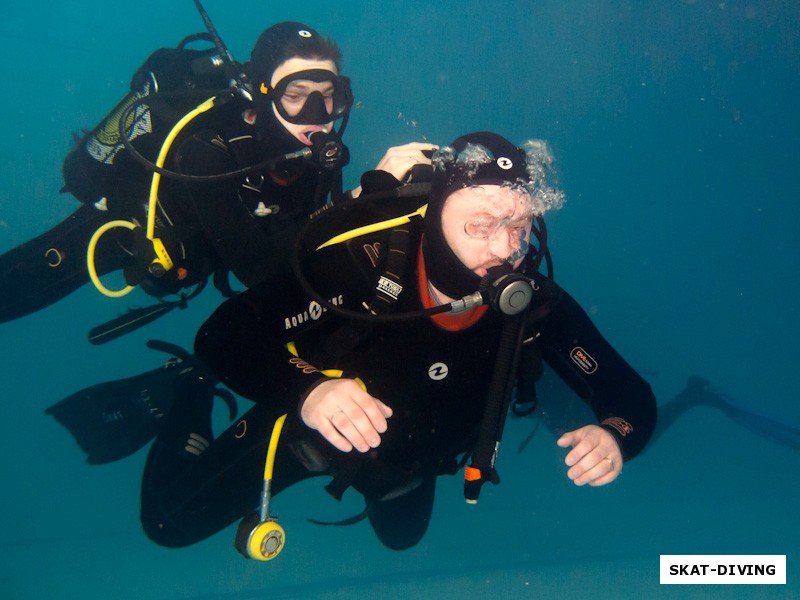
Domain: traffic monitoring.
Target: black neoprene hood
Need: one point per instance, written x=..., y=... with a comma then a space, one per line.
x=274, y=47
x=502, y=164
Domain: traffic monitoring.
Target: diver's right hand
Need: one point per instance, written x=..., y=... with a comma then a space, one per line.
x=346, y=415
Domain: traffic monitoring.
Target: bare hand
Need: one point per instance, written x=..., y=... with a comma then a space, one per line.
x=346, y=415
x=399, y=160
x=595, y=457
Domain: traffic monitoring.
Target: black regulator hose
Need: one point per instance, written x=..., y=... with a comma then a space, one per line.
x=407, y=190
x=482, y=467
x=267, y=164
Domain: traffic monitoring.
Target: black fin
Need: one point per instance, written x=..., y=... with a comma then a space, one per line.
x=168, y=348
x=699, y=392
x=114, y=419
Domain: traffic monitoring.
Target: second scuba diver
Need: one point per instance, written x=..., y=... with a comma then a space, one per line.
x=386, y=406
x=237, y=224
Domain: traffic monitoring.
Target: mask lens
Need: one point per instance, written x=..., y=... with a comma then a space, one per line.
x=483, y=228
x=314, y=97
x=310, y=109
x=508, y=211
x=507, y=217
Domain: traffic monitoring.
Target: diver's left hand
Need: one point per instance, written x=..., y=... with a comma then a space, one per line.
x=399, y=160
x=595, y=457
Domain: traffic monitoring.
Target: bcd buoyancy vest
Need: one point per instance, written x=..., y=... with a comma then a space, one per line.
x=170, y=83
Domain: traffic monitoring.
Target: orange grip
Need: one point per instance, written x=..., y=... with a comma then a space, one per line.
x=472, y=474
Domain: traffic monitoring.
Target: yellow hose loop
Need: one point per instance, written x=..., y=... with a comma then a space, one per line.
x=90, y=259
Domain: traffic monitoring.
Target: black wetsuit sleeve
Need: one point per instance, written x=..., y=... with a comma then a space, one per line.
x=620, y=398
x=244, y=343
x=52, y=265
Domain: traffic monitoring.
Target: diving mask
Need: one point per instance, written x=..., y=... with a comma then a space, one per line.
x=509, y=213
x=311, y=97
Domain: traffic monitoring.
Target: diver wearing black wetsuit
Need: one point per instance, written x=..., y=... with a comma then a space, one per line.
x=433, y=372
x=241, y=225
x=244, y=226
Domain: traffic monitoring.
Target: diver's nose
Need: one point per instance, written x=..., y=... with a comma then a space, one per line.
x=502, y=245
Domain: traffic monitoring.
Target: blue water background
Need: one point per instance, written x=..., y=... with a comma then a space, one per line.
x=675, y=126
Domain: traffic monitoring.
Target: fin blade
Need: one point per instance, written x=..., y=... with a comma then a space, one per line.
x=113, y=420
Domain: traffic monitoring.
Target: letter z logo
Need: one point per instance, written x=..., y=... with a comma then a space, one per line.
x=437, y=371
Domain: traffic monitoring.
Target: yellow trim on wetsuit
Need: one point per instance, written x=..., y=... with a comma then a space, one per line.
x=334, y=373
x=373, y=227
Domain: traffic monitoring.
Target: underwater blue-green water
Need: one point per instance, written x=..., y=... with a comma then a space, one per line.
x=675, y=127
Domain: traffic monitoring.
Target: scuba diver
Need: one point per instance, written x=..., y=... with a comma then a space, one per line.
x=389, y=358
x=227, y=184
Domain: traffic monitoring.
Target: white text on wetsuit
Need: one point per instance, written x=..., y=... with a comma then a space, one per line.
x=312, y=313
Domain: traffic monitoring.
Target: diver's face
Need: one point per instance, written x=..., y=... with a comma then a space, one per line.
x=487, y=225
x=298, y=91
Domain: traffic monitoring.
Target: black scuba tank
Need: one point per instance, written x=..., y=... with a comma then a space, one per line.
x=169, y=84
